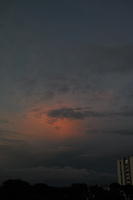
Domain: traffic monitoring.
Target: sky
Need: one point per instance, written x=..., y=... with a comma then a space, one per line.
x=66, y=77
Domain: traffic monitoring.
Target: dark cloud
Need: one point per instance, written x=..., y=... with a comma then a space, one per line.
x=76, y=113
x=80, y=113
x=4, y=121
x=14, y=149
x=71, y=113
x=57, y=175
x=124, y=132
x=8, y=133
x=128, y=113
x=10, y=138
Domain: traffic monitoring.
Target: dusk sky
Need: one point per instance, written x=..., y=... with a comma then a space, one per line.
x=66, y=89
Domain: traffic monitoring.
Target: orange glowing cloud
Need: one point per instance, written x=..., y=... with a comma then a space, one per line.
x=37, y=123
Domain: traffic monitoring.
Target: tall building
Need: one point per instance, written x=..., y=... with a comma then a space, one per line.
x=125, y=171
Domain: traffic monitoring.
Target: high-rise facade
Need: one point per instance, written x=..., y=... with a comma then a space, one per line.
x=125, y=171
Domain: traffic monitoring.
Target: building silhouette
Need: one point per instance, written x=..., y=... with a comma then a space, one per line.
x=125, y=170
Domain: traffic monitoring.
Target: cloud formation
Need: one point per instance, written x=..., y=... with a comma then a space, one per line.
x=57, y=175
x=65, y=61
x=4, y=121
x=122, y=132
x=80, y=113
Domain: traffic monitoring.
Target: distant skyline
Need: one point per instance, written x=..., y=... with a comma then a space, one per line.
x=66, y=76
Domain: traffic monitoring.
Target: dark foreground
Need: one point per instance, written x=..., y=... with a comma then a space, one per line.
x=17, y=189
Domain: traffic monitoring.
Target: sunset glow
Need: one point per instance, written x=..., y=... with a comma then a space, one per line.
x=66, y=95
